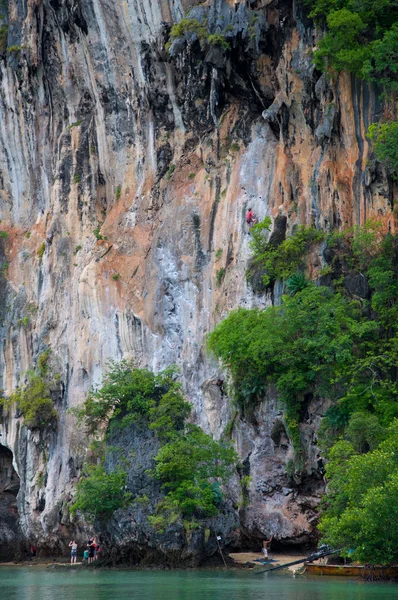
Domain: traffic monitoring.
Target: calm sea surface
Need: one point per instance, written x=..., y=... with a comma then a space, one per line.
x=37, y=583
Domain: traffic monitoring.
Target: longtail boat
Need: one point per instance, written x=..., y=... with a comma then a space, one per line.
x=367, y=572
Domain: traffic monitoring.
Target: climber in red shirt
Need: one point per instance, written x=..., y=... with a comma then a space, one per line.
x=251, y=218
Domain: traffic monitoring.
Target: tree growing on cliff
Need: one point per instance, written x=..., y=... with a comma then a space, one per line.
x=33, y=399
x=300, y=346
x=100, y=494
x=191, y=468
x=360, y=511
x=190, y=465
x=129, y=394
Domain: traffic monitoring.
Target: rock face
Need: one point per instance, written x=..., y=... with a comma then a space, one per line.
x=125, y=174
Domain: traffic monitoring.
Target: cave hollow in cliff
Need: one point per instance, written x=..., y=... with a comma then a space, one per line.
x=10, y=534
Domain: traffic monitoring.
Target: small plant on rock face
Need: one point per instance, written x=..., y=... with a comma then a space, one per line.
x=220, y=274
x=217, y=39
x=3, y=234
x=296, y=283
x=75, y=124
x=23, y=322
x=97, y=233
x=118, y=192
x=76, y=178
x=116, y=276
x=77, y=249
x=191, y=176
x=219, y=254
x=3, y=38
x=40, y=251
x=170, y=171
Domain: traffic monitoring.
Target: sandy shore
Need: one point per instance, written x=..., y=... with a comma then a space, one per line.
x=277, y=559
x=239, y=558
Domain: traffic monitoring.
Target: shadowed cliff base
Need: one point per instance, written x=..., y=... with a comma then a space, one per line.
x=12, y=542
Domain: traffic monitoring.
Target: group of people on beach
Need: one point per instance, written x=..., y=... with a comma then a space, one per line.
x=90, y=553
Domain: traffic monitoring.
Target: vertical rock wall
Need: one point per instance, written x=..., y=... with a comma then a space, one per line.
x=134, y=167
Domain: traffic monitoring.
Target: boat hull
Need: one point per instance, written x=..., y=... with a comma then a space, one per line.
x=353, y=571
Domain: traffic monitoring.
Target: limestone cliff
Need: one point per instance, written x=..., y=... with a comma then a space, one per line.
x=125, y=172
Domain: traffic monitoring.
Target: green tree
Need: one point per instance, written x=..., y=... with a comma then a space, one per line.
x=300, y=346
x=33, y=399
x=282, y=261
x=342, y=47
x=189, y=463
x=100, y=494
x=385, y=143
x=364, y=431
x=130, y=394
x=360, y=512
x=383, y=65
x=190, y=467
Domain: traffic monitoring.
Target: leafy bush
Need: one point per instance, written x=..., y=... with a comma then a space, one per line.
x=136, y=395
x=296, y=283
x=189, y=461
x=385, y=143
x=100, y=494
x=300, y=346
x=33, y=400
x=188, y=26
x=281, y=262
x=364, y=431
x=189, y=467
x=170, y=171
x=217, y=39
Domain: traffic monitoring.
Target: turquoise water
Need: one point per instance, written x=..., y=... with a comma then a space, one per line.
x=37, y=583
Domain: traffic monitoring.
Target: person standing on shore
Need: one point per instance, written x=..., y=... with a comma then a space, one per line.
x=91, y=550
x=73, y=552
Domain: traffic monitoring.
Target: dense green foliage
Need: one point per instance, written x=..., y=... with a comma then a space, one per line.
x=361, y=36
x=190, y=468
x=360, y=508
x=33, y=399
x=202, y=32
x=320, y=342
x=130, y=394
x=302, y=346
x=283, y=261
x=385, y=143
x=99, y=493
x=338, y=342
x=190, y=464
